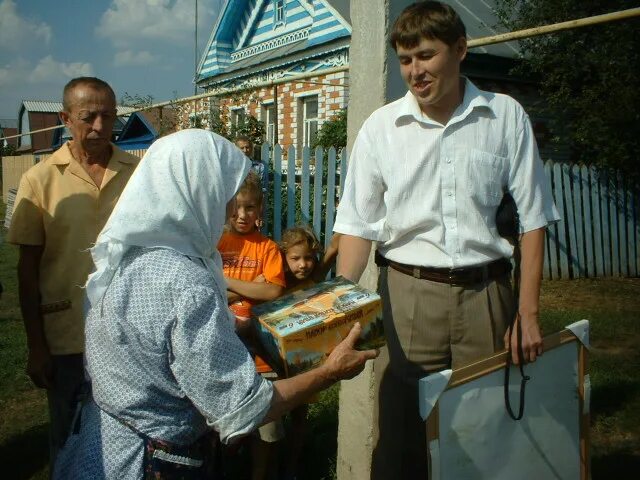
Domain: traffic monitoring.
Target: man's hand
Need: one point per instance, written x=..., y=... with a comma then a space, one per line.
x=531, y=339
x=345, y=362
x=40, y=367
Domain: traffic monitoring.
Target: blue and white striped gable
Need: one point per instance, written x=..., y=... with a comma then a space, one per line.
x=247, y=28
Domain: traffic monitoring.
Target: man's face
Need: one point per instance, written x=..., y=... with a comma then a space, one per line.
x=246, y=214
x=245, y=147
x=431, y=70
x=90, y=118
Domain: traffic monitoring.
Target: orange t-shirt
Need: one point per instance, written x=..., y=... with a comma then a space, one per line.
x=244, y=257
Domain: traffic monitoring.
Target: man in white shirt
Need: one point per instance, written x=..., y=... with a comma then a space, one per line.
x=426, y=175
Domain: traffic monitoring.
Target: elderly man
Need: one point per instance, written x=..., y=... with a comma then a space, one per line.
x=426, y=176
x=61, y=206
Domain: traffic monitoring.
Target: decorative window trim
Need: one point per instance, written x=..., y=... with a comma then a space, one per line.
x=279, y=20
x=280, y=41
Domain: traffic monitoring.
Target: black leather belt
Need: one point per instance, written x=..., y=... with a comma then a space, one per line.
x=453, y=276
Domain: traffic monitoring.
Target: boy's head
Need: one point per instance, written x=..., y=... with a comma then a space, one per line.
x=300, y=248
x=430, y=41
x=426, y=20
x=247, y=214
x=245, y=144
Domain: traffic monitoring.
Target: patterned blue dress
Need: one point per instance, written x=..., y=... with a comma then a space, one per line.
x=164, y=362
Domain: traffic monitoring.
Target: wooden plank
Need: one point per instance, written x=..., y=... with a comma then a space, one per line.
x=317, y=193
x=621, y=197
x=344, y=160
x=598, y=251
x=563, y=247
x=291, y=186
x=305, y=187
x=603, y=192
x=277, y=192
x=590, y=260
x=578, y=214
x=613, y=225
x=331, y=195
x=550, y=269
x=636, y=219
x=632, y=245
x=571, y=221
x=265, y=153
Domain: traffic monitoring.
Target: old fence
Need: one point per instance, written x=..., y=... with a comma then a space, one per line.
x=597, y=237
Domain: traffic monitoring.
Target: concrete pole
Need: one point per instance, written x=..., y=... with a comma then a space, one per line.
x=374, y=80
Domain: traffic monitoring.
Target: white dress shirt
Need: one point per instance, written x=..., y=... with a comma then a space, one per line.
x=428, y=193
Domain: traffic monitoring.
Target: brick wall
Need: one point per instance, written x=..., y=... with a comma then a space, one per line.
x=332, y=91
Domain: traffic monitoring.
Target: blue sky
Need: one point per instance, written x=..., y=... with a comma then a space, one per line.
x=143, y=47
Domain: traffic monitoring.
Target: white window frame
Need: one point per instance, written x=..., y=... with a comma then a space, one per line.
x=307, y=121
x=268, y=117
x=279, y=12
x=236, y=114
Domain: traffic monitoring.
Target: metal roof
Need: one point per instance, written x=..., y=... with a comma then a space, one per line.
x=480, y=20
x=8, y=123
x=55, y=107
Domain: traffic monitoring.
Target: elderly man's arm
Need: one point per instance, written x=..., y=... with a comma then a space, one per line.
x=532, y=247
x=343, y=363
x=353, y=256
x=39, y=366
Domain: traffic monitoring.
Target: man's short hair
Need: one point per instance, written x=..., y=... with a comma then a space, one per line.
x=243, y=138
x=252, y=186
x=92, y=82
x=431, y=20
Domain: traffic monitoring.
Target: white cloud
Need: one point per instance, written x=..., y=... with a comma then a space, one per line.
x=159, y=20
x=14, y=73
x=49, y=70
x=16, y=31
x=129, y=58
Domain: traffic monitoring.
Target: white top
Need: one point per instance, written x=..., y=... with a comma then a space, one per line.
x=428, y=193
x=175, y=199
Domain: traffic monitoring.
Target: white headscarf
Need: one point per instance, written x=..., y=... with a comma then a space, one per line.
x=175, y=199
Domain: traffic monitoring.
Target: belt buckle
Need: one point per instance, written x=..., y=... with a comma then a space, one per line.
x=416, y=272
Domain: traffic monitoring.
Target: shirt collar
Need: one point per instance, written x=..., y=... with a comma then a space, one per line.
x=63, y=156
x=473, y=98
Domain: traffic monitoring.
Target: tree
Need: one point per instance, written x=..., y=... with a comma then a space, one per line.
x=587, y=77
x=333, y=132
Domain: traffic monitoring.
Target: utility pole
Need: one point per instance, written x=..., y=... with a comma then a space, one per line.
x=195, y=52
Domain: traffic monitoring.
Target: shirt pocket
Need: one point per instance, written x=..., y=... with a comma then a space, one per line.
x=485, y=177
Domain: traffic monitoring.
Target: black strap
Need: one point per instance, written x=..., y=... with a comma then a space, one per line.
x=518, y=324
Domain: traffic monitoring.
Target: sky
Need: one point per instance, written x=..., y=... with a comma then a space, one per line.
x=140, y=47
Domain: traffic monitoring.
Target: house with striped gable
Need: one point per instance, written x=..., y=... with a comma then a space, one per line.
x=257, y=52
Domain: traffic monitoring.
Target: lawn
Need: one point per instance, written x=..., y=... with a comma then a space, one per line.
x=612, y=306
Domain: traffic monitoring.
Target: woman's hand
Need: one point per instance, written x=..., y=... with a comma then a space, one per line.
x=345, y=362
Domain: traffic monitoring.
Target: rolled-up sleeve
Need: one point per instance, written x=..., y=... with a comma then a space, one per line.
x=27, y=227
x=527, y=182
x=213, y=367
x=362, y=211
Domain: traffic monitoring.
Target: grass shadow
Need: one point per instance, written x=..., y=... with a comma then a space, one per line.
x=609, y=398
x=25, y=455
x=617, y=464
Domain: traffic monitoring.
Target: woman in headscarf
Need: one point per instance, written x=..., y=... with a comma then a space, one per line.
x=164, y=362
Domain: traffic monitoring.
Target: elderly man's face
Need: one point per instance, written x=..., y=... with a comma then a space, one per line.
x=245, y=147
x=91, y=117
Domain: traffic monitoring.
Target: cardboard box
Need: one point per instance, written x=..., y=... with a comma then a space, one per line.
x=299, y=330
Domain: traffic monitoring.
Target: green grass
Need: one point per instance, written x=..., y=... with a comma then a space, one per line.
x=611, y=305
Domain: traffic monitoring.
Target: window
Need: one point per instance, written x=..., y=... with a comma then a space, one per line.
x=269, y=119
x=309, y=120
x=278, y=11
x=237, y=117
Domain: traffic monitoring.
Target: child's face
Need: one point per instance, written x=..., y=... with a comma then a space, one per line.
x=300, y=261
x=246, y=215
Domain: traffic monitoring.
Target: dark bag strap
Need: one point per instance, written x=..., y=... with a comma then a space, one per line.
x=518, y=324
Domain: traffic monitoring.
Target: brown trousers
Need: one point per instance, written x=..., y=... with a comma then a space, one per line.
x=429, y=327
